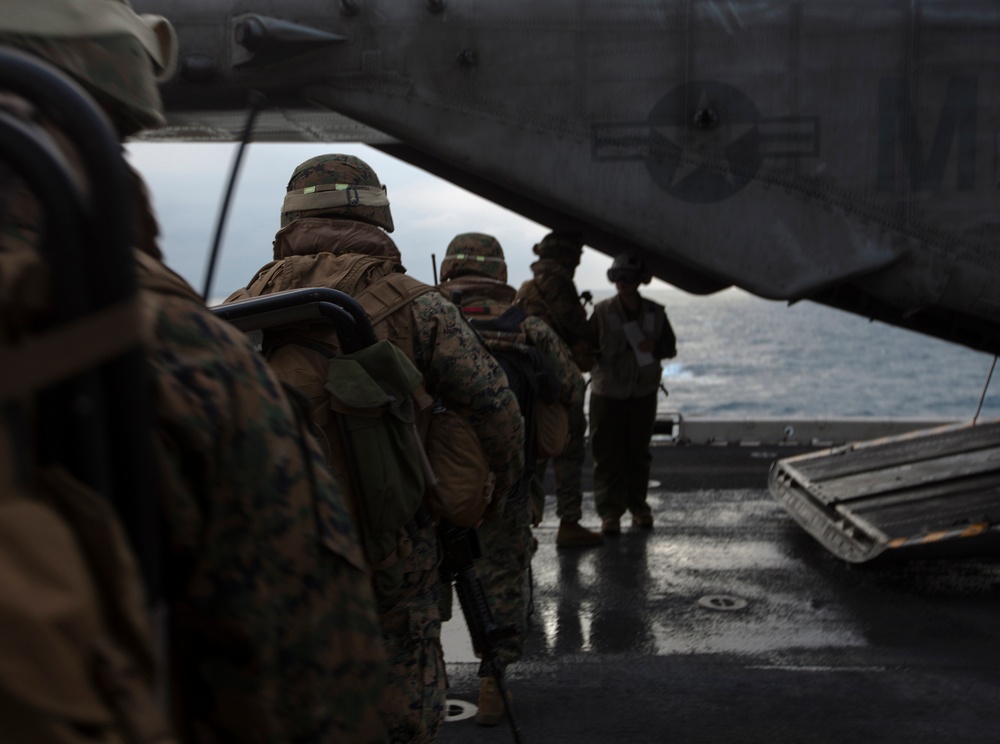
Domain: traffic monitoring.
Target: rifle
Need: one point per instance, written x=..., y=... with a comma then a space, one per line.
x=461, y=548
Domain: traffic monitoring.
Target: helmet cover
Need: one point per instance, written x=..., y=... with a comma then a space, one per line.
x=117, y=55
x=629, y=268
x=566, y=247
x=336, y=186
x=475, y=254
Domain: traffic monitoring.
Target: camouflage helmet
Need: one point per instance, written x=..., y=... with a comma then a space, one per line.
x=566, y=247
x=476, y=254
x=629, y=268
x=117, y=55
x=336, y=186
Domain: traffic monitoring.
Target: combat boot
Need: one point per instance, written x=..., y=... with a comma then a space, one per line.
x=490, y=706
x=572, y=535
x=644, y=521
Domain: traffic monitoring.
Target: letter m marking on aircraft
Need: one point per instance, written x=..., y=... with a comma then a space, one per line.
x=899, y=133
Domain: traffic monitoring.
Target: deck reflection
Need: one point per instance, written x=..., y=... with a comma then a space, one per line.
x=728, y=618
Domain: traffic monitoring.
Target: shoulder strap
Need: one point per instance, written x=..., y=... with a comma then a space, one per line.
x=69, y=350
x=257, y=286
x=532, y=301
x=509, y=322
x=385, y=296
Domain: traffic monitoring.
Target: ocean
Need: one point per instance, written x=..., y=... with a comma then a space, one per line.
x=739, y=356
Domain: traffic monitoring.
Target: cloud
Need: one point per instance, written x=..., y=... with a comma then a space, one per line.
x=187, y=182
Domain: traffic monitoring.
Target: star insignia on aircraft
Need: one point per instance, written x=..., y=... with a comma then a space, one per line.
x=712, y=148
x=705, y=140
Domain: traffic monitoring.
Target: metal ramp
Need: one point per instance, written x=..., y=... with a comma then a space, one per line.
x=931, y=488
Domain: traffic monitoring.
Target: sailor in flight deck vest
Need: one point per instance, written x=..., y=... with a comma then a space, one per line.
x=334, y=222
x=552, y=296
x=273, y=632
x=632, y=334
x=474, y=276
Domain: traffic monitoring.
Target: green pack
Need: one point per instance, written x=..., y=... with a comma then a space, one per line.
x=368, y=403
x=371, y=396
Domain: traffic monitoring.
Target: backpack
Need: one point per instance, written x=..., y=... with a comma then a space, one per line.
x=458, y=479
x=532, y=300
x=78, y=526
x=376, y=416
x=371, y=399
x=532, y=380
x=77, y=658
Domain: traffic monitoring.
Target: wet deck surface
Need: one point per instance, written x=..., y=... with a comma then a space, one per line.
x=728, y=623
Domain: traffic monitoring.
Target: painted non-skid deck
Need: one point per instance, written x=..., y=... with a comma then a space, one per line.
x=728, y=623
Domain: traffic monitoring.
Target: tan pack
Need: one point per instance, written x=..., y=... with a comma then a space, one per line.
x=531, y=378
x=551, y=429
x=532, y=301
x=77, y=659
x=459, y=477
x=464, y=482
x=76, y=656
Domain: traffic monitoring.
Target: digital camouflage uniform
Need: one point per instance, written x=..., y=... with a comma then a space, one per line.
x=474, y=276
x=552, y=296
x=77, y=660
x=317, y=246
x=273, y=633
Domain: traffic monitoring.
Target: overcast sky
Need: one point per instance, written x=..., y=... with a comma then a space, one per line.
x=187, y=183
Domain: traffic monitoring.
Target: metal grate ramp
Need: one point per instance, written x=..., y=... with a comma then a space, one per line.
x=931, y=486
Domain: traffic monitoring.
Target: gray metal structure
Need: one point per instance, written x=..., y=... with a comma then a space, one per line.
x=936, y=488
x=841, y=151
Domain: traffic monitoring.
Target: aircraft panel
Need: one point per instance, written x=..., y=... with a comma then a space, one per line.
x=843, y=151
x=320, y=125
